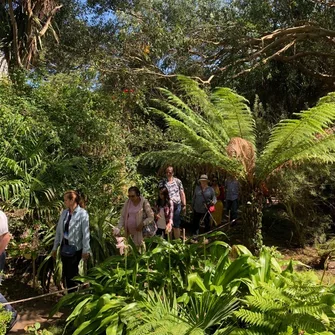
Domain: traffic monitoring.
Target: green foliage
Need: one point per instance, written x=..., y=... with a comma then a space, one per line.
x=101, y=228
x=301, y=140
x=298, y=304
x=58, y=134
x=306, y=196
x=125, y=284
x=5, y=318
x=36, y=330
x=145, y=294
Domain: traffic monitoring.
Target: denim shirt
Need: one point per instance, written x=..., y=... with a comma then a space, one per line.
x=232, y=189
x=79, y=230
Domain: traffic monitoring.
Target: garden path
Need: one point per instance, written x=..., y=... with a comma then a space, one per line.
x=32, y=311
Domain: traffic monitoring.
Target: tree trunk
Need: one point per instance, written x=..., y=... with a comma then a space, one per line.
x=252, y=206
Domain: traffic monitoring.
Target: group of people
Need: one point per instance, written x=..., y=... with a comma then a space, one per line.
x=137, y=211
x=73, y=233
x=207, y=206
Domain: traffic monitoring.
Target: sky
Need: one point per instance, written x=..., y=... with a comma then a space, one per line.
x=91, y=17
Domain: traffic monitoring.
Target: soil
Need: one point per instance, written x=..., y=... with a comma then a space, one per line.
x=32, y=311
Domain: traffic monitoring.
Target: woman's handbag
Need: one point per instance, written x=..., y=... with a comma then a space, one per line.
x=150, y=229
x=211, y=208
x=68, y=250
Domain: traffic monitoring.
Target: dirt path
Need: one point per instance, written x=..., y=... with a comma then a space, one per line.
x=31, y=311
x=28, y=315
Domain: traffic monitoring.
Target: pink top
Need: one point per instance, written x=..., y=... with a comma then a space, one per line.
x=131, y=222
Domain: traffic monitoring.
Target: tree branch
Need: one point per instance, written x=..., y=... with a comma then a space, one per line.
x=15, y=34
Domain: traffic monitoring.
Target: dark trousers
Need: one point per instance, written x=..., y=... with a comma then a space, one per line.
x=70, y=268
x=198, y=218
x=161, y=232
x=176, y=215
x=232, y=206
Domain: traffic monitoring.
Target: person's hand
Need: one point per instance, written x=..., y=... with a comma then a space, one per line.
x=116, y=231
x=183, y=209
x=85, y=256
x=168, y=228
x=54, y=254
x=158, y=216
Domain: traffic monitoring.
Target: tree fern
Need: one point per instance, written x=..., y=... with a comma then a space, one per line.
x=202, y=125
x=217, y=130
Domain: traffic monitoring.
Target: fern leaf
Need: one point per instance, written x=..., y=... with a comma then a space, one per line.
x=290, y=137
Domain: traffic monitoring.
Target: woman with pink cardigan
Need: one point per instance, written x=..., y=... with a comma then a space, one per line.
x=135, y=214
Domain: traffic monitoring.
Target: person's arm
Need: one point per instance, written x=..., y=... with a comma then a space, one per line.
x=214, y=200
x=182, y=196
x=183, y=199
x=149, y=212
x=5, y=238
x=171, y=212
x=85, y=229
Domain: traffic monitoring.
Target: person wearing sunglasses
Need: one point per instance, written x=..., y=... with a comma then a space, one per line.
x=135, y=214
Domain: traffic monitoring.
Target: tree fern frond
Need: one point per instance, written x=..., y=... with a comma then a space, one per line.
x=239, y=331
x=183, y=155
x=194, y=94
x=320, y=151
x=235, y=113
x=211, y=131
x=190, y=135
x=200, y=121
x=294, y=134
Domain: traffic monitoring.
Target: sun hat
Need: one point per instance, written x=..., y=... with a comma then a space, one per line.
x=203, y=177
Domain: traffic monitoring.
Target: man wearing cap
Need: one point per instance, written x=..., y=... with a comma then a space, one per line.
x=177, y=195
x=203, y=198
